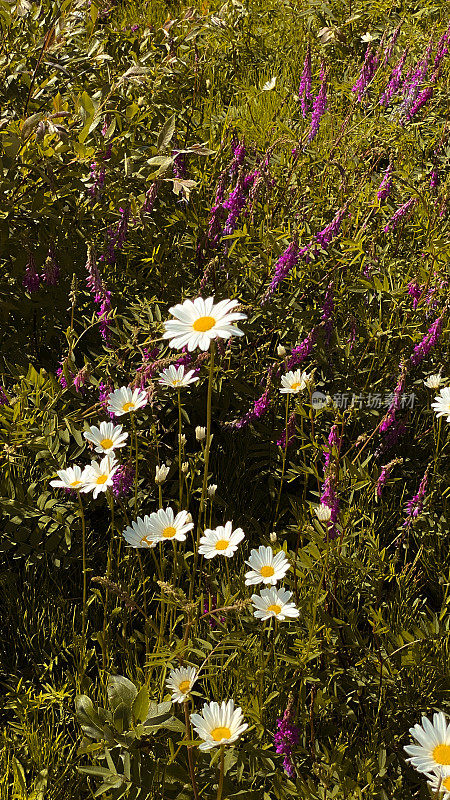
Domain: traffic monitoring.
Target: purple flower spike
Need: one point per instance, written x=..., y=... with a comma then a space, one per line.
x=429, y=340
x=385, y=186
x=304, y=91
x=399, y=214
x=123, y=480
x=366, y=75
x=414, y=506
x=319, y=106
x=31, y=278
x=286, y=737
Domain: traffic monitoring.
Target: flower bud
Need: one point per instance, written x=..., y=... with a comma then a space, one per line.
x=161, y=473
x=200, y=433
x=323, y=512
x=212, y=489
x=182, y=439
x=185, y=466
x=281, y=351
x=273, y=537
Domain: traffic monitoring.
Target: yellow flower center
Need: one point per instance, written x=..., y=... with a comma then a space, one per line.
x=102, y=479
x=147, y=541
x=106, y=443
x=184, y=686
x=446, y=783
x=176, y=382
x=275, y=608
x=222, y=544
x=203, y=324
x=296, y=386
x=169, y=532
x=75, y=483
x=441, y=754
x=128, y=406
x=267, y=572
x=220, y=733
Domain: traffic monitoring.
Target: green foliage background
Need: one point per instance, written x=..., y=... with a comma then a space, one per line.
x=369, y=652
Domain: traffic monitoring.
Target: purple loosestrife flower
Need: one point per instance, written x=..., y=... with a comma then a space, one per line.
x=434, y=180
x=389, y=418
x=385, y=475
x=319, y=106
x=304, y=91
x=366, y=75
x=390, y=47
x=211, y=606
x=299, y=353
x=442, y=48
x=31, y=278
x=105, y=308
x=258, y=410
x=394, y=81
x=414, y=506
x=150, y=198
x=399, y=214
x=291, y=429
x=50, y=273
x=421, y=100
x=104, y=390
x=391, y=438
x=415, y=290
x=80, y=378
x=429, y=340
x=385, y=186
x=286, y=737
x=325, y=236
x=286, y=262
x=3, y=398
x=60, y=373
x=123, y=480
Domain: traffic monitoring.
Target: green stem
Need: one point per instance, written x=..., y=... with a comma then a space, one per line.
x=133, y=425
x=144, y=596
x=206, y=465
x=222, y=772
x=283, y=467
x=108, y=578
x=83, y=547
x=180, y=474
x=190, y=750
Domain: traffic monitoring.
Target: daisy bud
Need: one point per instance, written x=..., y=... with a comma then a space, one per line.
x=182, y=439
x=273, y=537
x=212, y=489
x=185, y=466
x=161, y=473
x=323, y=512
x=281, y=351
x=200, y=433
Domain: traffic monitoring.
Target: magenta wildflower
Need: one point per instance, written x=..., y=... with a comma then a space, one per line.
x=319, y=106
x=104, y=390
x=385, y=475
x=389, y=418
x=423, y=98
x=429, y=340
x=291, y=429
x=399, y=214
x=105, y=308
x=394, y=81
x=415, y=290
x=31, y=278
x=368, y=70
x=258, y=410
x=414, y=506
x=3, y=398
x=50, y=273
x=123, y=480
x=304, y=91
x=390, y=47
x=434, y=179
x=442, y=48
x=391, y=438
x=211, y=605
x=286, y=737
x=283, y=266
x=385, y=186
x=325, y=236
x=299, y=353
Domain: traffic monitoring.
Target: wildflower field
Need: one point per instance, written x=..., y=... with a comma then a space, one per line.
x=224, y=400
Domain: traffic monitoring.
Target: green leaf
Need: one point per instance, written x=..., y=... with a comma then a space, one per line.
x=166, y=133
x=120, y=690
x=141, y=705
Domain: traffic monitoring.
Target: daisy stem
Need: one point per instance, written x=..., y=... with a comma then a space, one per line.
x=144, y=597
x=222, y=772
x=190, y=750
x=133, y=425
x=108, y=578
x=283, y=467
x=83, y=547
x=180, y=474
x=206, y=465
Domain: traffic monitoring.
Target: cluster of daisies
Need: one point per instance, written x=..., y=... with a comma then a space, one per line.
x=431, y=754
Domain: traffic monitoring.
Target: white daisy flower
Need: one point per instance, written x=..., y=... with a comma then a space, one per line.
x=106, y=438
x=70, y=478
x=139, y=533
x=163, y=524
x=294, y=382
x=323, y=512
x=433, y=381
x=441, y=403
x=222, y=541
x=433, y=750
x=274, y=603
x=99, y=477
x=218, y=725
x=441, y=781
x=180, y=682
x=124, y=400
x=200, y=321
x=265, y=567
x=176, y=377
